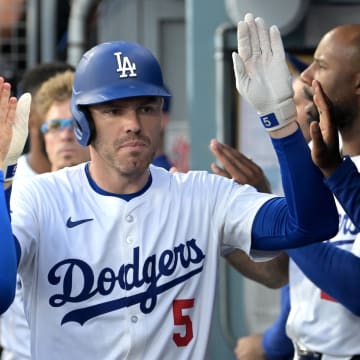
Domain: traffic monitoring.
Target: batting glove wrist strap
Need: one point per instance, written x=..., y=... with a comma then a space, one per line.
x=19, y=136
x=283, y=115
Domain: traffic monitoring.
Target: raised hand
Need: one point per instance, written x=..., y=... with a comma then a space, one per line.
x=7, y=119
x=325, y=150
x=238, y=167
x=14, y=117
x=261, y=73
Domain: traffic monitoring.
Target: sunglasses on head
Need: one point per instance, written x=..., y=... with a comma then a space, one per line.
x=57, y=124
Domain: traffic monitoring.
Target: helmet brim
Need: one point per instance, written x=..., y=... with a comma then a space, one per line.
x=134, y=88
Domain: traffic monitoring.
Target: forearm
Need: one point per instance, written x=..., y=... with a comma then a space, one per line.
x=8, y=257
x=272, y=273
x=307, y=214
x=345, y=184
x=333, y=270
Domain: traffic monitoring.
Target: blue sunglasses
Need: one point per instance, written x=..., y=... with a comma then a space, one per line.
x=57, y=124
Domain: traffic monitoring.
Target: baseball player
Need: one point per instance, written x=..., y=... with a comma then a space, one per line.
x=325, y=303
x=324, y=267
x=330, y=292
x=325, y=308
x=118, y=257
x=52, y=99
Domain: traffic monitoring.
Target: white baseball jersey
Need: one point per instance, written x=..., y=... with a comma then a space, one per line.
x=23, y=169
x=316, y=321
x=14, y=329
x=106, y=278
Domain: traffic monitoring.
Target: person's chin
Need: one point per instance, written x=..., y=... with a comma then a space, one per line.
x=137, y=165
x=68, y=162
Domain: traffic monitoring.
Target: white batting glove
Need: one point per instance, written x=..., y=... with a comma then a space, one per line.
x=19, y=136
x=262, y=75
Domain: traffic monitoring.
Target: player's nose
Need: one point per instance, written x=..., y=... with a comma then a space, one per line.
x=67, y=133
x=307, y=75
x=132, y=121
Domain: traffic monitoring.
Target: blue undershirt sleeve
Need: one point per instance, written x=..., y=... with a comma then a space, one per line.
x=345, y=184
x=276, y=344
x=333, y=270
x=7, y=198
x=308, y=212
x=8, y=254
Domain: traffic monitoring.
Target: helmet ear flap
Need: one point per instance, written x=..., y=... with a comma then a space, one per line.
x=83, y=126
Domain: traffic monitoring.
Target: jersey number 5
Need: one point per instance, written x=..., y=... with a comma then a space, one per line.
x=180, y=319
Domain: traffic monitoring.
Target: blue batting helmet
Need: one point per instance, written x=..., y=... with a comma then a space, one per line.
x=110, y=71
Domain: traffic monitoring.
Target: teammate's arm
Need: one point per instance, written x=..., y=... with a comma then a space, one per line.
x=235, y=165
x=14, y=116
x=276, y=344
x=333, y=270
x=8, y=258
x=272, y=273
x=308, y=213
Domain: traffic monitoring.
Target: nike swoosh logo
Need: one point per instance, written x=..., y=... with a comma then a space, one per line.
x=71, y=224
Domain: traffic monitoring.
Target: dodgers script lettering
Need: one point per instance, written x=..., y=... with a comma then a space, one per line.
x=127, y=277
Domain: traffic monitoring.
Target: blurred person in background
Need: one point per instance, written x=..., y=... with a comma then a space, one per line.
x=34, y=160
x=161, y=158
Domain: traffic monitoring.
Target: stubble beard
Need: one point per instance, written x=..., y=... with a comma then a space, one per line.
x=132, y=166
x=343, y=115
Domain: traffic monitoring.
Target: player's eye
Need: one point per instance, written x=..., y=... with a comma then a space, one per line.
x=116, y=111
x=113, y=111
x=146, y=109
x=150, y=108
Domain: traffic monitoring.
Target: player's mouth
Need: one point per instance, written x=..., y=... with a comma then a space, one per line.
x=133, y=144
x=66, y=151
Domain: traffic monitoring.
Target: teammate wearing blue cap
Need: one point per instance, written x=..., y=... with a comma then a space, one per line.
x=117, y=256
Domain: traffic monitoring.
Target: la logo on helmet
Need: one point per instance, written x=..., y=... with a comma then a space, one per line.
x=124, y=66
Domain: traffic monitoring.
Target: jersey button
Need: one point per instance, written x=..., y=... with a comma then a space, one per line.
x=129, y=218
x=134, y=319
x=129, y=240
